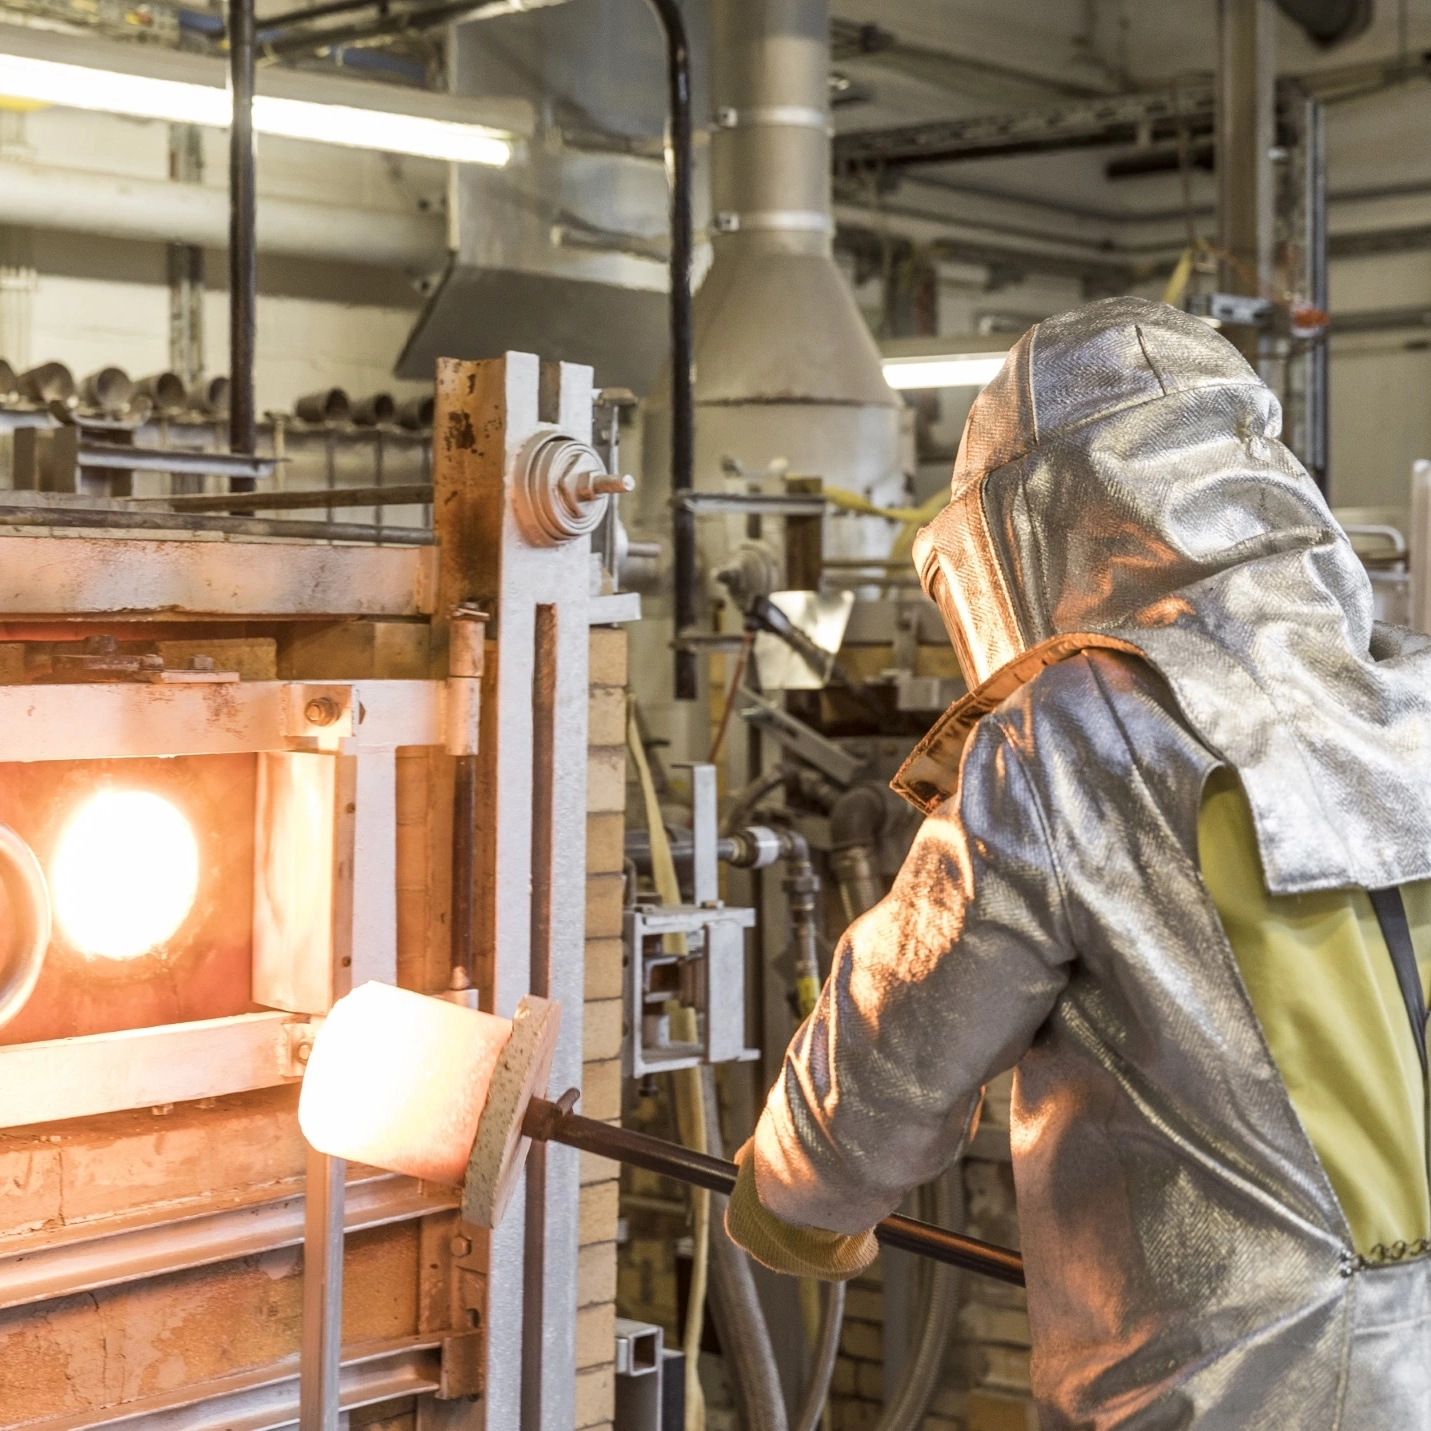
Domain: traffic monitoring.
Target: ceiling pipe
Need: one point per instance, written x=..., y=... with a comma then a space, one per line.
x=158, y=211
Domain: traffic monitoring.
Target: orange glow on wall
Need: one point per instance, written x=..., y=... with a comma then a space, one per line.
x=398, y=1080
x=125, y=873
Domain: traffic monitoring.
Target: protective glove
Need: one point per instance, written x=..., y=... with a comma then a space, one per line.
x=783, y=1246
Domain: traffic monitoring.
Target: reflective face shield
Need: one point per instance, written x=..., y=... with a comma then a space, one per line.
x=960, y=572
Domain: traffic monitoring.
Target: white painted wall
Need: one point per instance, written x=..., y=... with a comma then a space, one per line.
x=303, y=343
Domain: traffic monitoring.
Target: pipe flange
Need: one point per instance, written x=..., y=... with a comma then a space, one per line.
x=29, y=898
x=562, y=489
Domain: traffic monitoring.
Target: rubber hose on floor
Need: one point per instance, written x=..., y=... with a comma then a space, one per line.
x=817, y=1389
x=941, y=1202
x=735, y=1305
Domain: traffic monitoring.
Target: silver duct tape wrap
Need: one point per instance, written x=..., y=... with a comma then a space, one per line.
x=1188, y=1263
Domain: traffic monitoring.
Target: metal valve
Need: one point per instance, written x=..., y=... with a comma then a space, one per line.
x=562, y=489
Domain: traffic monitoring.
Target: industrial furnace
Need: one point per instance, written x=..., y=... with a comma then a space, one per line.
x=228, y=777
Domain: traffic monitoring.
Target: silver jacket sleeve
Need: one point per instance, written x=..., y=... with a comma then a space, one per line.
x=940, y=986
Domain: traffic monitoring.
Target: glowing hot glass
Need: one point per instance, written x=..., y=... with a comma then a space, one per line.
x=399, y=1080
x=125, y=873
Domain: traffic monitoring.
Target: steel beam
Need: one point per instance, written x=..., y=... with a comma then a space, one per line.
x=60, y=1078
x=128, y=1248
x=1094, y=123
x=267, y=1399
x=115, y=720
x=137, y=579
x=322, y=1344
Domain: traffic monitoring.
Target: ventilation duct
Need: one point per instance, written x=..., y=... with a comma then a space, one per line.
x=563, y=251
x=787, y=373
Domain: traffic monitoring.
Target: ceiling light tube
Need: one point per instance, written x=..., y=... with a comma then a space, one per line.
x=948, y=370
x=184, y=102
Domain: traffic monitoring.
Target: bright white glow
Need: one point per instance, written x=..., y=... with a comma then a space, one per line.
x=181, y=102
x=379, y=129
x=137, y=96
x=399, y=1080
x=957, y=370
x=125, y=874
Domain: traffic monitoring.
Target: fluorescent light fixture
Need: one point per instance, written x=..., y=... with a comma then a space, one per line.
x=183, y=102
x=392, y=132
x=952, y=370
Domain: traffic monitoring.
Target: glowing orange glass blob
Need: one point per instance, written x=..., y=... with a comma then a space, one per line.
x=398, y=1080
x=125, y=874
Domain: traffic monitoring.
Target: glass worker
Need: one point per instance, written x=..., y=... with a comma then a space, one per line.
x=1176, y=872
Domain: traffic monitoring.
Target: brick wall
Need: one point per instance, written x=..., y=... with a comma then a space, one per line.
x=601, y=1072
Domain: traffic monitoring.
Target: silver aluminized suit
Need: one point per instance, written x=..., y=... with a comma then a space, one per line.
x=1143, y=585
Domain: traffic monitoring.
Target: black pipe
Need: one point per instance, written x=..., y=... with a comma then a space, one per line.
x=683, y=408
x=243, y=266
x=546, y=1121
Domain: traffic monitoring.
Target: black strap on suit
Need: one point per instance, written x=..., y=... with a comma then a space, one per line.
x=1391, y=916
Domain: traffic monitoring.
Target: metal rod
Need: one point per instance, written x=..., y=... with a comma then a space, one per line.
x=322, y=1338
x=767, y=504
x=115, y=457
x=121, y=519
x=243, y=263
x=683, y=450
x=547, y=1121
x=415, y=494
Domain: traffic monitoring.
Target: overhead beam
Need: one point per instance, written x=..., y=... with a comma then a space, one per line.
x=1143, y=118
x=135, y=579
x=1082, y=124
x=108, y=1252
x=851, y=41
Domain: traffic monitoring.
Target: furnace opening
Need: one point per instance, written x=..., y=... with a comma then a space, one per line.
x=125, y=874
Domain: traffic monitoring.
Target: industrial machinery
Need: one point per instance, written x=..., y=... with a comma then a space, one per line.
x=230, y=768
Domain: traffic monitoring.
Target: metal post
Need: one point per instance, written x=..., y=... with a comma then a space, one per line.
x=530, y=835
x=186, y=264
x=1246, y=131
x=322, y=1293
x=243, y=271
x=683, y=411
x=705, y=873
x=1318, y=395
